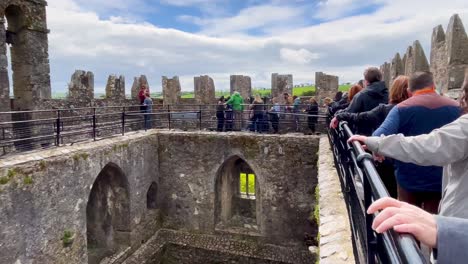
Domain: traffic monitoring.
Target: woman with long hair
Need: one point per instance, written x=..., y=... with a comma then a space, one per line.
x=312, y=110
x=355, y=89
x=220, y=113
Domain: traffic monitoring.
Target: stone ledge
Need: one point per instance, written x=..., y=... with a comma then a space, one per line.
x=336, y=246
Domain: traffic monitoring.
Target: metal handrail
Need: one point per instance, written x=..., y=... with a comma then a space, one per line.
x=390, y=246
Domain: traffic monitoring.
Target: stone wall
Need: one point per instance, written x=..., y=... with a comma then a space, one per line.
x=81, y=87
x=137, y=83
x=4, y=81
x=325, y=85
x=29, y=51
x=281, y=84
x=115, y=88
x=171, y=90
x=448, y=58
x=241, y=84
x=46, y=193
x=191, y=248
x=204, y=90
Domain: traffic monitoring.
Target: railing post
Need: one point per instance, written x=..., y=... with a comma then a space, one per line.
x=169, y=116
x=200, y=117
x=57, y=140
x=123, y=121
x=94, y=123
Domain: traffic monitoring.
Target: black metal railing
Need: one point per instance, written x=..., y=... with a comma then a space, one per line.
x=27, y=130
x=362, y=185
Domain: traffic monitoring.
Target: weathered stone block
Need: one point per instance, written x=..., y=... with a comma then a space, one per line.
x=171, y=90
x=204, y=90
x=81, y=87
x=241, y=84
x=281, y=84
x=137, y=83
x=325, y=85
x=415, y=59
x=115, y=88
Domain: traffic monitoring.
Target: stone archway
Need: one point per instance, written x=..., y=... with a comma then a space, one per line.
x=237, y=194
x=108, y=214
x=151, y=196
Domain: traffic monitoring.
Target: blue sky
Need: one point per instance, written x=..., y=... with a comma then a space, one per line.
x=218, y=38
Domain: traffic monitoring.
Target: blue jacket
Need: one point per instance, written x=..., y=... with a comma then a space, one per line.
x=419, y=115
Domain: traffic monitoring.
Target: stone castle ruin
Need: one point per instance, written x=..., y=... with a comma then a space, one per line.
x=325, y=85
x=448, y=58
x=167, y=196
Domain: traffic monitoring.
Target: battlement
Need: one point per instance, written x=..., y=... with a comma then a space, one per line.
x=448, y=58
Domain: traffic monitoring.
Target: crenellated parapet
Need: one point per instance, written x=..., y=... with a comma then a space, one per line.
x=81, y=87
x=171, y=90
x=325, y=85
x=204, y=89
x=448, y=58
x=115, y=88
x=241, y=84
x=280, y=84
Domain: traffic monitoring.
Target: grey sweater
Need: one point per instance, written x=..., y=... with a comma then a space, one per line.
x=452, y=240
x=447, y=147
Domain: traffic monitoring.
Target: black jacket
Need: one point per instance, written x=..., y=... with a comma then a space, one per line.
x=369, y=121
x=312, y=109
x=369, y=98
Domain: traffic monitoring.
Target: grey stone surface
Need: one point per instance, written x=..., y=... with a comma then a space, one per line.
x=137, y=82
x=326, y=86
x=204, y=90
x=29, y=52
x=115, y=88
x=241, y=84
x=191, y=248
x=280, y=84
x=415, y=59
x=81, y=87
x=171, y=90
x=336, y=246
x=47, y=192
x=386, y=73
x=397, y=68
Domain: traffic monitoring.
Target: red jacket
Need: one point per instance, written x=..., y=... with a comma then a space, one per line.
x=141, y=95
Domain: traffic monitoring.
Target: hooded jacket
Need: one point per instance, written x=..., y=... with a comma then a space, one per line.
x=236, y=101
x=369, y=98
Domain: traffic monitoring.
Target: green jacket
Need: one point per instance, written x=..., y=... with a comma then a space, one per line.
x=237, y=102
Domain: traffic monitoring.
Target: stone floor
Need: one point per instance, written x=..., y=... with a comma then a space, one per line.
x=335, y=233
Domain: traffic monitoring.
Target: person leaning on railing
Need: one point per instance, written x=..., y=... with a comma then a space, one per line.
x=373, y=119
x=449, y=235
x=447, y=146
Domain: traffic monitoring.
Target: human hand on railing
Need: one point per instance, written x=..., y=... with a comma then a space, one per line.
x=378, y=157
x=334, y=123
x=404, y=218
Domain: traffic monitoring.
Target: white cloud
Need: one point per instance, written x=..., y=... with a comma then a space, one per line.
x=80, y=39
x=300, y=56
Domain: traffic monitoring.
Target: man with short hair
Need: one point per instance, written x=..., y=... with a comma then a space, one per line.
x=420, y=114
x=374, y=94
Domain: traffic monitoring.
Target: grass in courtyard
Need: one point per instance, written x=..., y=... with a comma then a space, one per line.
x=251, y=183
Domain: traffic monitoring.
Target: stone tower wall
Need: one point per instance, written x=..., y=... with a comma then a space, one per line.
x=29, y=51
x=281, y=84
x=448, y=58
x=81, y=87
x=204, y=90
x=325, y=85
x=137, y=82
x=115, y=88
x=241, y=84
x=171, y=90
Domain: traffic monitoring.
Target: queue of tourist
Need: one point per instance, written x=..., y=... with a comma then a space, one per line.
x=230, y=113
x=419, y=139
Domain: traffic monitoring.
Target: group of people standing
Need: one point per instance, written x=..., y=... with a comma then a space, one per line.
x=420, y=143
x=230, y=111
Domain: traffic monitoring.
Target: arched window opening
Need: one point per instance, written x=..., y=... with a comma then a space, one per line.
x=151, y=196
x=237, y=190
x=108, y=214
